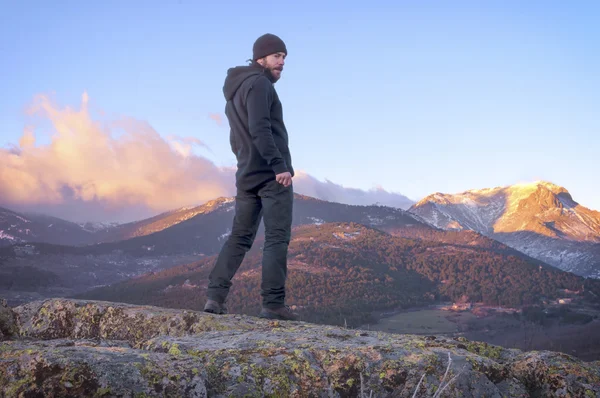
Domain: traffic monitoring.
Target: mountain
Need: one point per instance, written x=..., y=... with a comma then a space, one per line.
x=76, y=348
x=31, y=271
x=35, y=270
x=180, y=237
x=19, y=227
x=202, y=230
x=212, y=217
x=344, y=272
x=159, y=222
x=39, y=228
x=540, y=219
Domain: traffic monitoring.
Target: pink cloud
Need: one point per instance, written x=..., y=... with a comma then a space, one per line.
x=85, y=164
x=217, y=117
x=124, y=170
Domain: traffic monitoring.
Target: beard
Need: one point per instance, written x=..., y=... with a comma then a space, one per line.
x=276, y=71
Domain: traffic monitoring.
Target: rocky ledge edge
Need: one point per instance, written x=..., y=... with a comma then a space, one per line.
x=75, y=348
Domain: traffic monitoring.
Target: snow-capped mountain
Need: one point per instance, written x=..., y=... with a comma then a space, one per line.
x=540, y=219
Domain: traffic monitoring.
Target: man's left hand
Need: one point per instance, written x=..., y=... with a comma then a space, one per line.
x=284, y=179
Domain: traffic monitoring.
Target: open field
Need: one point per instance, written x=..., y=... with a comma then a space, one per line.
x=580, y=339
x=424, y=321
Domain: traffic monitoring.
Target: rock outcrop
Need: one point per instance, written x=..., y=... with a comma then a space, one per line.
x=8, y=326
x=74, y=348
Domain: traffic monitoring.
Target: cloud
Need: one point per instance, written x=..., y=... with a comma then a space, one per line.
x=28, y=138
x=217, y=118
x=184, y=145
x=117, y=170
x=123, y=170
x=310, y=186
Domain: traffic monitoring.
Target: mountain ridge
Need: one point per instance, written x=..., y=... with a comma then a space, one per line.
x=24, y=266
x=18, y=227
x=99, y=233
x=505, y=203
x=540, y=219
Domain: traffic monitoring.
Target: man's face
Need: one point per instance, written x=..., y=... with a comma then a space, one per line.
x=274, y=63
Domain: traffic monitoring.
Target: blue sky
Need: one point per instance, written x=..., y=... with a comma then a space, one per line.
x=416, y=97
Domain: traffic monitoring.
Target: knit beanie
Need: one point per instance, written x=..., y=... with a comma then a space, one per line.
x=267, y=44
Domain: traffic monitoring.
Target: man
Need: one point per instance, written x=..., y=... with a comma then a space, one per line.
x=259, y=140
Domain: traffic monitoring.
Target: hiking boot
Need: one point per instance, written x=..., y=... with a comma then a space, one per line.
x=215, y=307
x=284, y=313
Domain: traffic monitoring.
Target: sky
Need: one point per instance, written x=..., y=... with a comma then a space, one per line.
x=114, y=110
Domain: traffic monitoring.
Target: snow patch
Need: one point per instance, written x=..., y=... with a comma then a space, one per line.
x=346, y=235
x=22, y=219
x=6, y=236
x=376, y=220
x=316, y=221
x=225, y=235
x=96, y=226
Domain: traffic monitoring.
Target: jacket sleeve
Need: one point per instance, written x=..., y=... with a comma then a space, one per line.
x=258, y=103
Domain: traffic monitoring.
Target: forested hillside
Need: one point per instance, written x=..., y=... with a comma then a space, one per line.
x=343, y=272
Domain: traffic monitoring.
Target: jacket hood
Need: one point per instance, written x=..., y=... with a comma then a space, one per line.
x=238, y=74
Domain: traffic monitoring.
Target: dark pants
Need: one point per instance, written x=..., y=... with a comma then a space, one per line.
x=273, y=203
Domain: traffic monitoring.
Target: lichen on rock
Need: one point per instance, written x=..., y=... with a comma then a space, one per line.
x=62, y=318
x=91, y=348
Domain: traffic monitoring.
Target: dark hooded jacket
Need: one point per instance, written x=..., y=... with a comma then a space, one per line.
x=258, y=136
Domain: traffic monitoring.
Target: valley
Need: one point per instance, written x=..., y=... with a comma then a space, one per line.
x=570, y=328
x=36, y=276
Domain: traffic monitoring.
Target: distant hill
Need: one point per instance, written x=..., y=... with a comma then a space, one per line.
x=214, y=216
x=19, y=228
x=199, y=229
x=202, y=230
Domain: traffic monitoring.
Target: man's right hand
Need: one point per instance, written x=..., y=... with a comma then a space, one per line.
x=284, y=178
